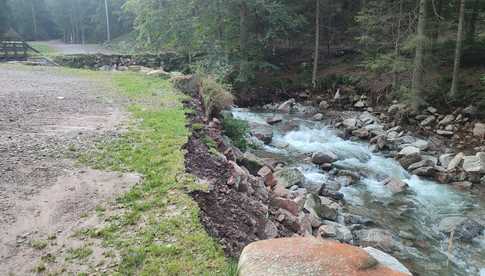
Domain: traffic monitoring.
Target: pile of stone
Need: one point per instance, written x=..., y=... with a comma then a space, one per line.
x=170, y=61
x=307, y=208
x=416, y=155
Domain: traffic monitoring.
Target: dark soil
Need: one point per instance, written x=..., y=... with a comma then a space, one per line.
x=234, y=218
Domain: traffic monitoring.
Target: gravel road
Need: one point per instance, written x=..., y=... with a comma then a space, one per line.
x=47, y=115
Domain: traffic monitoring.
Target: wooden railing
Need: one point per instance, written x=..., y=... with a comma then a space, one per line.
x=13, y=50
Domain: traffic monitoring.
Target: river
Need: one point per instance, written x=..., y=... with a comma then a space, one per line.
x=416, y=212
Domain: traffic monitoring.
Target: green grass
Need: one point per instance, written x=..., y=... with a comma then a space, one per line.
x=43, y=48
x=39, y=244
x=160, y=232
x=79, y=253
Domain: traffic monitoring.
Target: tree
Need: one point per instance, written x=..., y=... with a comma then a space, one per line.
x=4, y=20
x=108, y=29
x=418, y=73
x=472, y=23
x=317, y=44
x=458, y=50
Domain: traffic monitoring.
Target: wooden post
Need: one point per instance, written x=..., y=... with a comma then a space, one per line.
x=15, y=53
x=24, y=45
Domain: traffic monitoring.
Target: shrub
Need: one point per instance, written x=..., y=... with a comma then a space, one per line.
x=216, y=96
x=237, y=130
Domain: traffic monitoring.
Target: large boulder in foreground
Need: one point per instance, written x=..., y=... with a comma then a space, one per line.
x=309, y=256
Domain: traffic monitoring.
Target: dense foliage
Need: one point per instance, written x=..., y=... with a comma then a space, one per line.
x=404, y=40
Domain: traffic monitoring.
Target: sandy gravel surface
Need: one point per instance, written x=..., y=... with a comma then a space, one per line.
x=47, y=115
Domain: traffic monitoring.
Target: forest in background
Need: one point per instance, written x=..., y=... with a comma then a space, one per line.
x=418, y=48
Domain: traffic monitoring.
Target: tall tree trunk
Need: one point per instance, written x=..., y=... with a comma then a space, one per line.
x=418, y=73
x=220, y=21
x=472, y=24
x=317, y=44
x=34, y=19
x=458, y=50
x=108, y=29
x=435, y=30
x=397, y=46
x=243, y=43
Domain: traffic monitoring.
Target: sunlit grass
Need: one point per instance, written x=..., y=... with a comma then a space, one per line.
x=160, y=232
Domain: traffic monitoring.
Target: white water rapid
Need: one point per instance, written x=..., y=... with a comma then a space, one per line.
x=417, y=212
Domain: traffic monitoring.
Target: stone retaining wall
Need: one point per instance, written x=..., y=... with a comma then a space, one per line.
x=169, y=61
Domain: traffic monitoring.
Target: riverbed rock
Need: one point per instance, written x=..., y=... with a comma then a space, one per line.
x=408, y=156
x=360, y=104
x=288, y=177
x=395, y=185
x=456, y=161
x=380, y=141
x=263, y=132
x=351, y=124
x=333, y=186
x=474, y=164
x=377, y=238
x=289, y=220
x=280, y=191
x=323, y=106
x=396, y=108
x=464, y=228
x=479, y=130
x=425, y=171
x=274, y=120
x=422, y=163
x=445, y=133
x=285, y=203
x=318, y=117
x=445, y=159
x=429, y=120
x=432, y=110
x=309, y=256
x=334, y=230
x=448, y=119
x=325, y=210
x=251, y=162
x=470, y=111
x=238, y=178
x=361, y=133
x=267, y=174
x=312, y=186
x=409, y=150
x=408, y=160
x=287, y=106
x=387, y=260
x=323, y=157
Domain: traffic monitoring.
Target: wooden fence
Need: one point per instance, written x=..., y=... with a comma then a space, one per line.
x=13, y=50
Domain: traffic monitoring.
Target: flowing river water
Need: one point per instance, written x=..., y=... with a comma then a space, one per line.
x=417, y=211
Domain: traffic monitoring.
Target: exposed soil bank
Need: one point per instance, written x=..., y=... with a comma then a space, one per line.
x=234, y=215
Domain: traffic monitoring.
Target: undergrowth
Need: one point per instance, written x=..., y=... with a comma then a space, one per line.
x=237, y=130
x=159, y=232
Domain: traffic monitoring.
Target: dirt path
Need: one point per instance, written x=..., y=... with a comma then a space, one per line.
x=46, y=116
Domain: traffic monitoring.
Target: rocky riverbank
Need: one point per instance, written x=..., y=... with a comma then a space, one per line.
x=447, y=148
x=251, y=199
